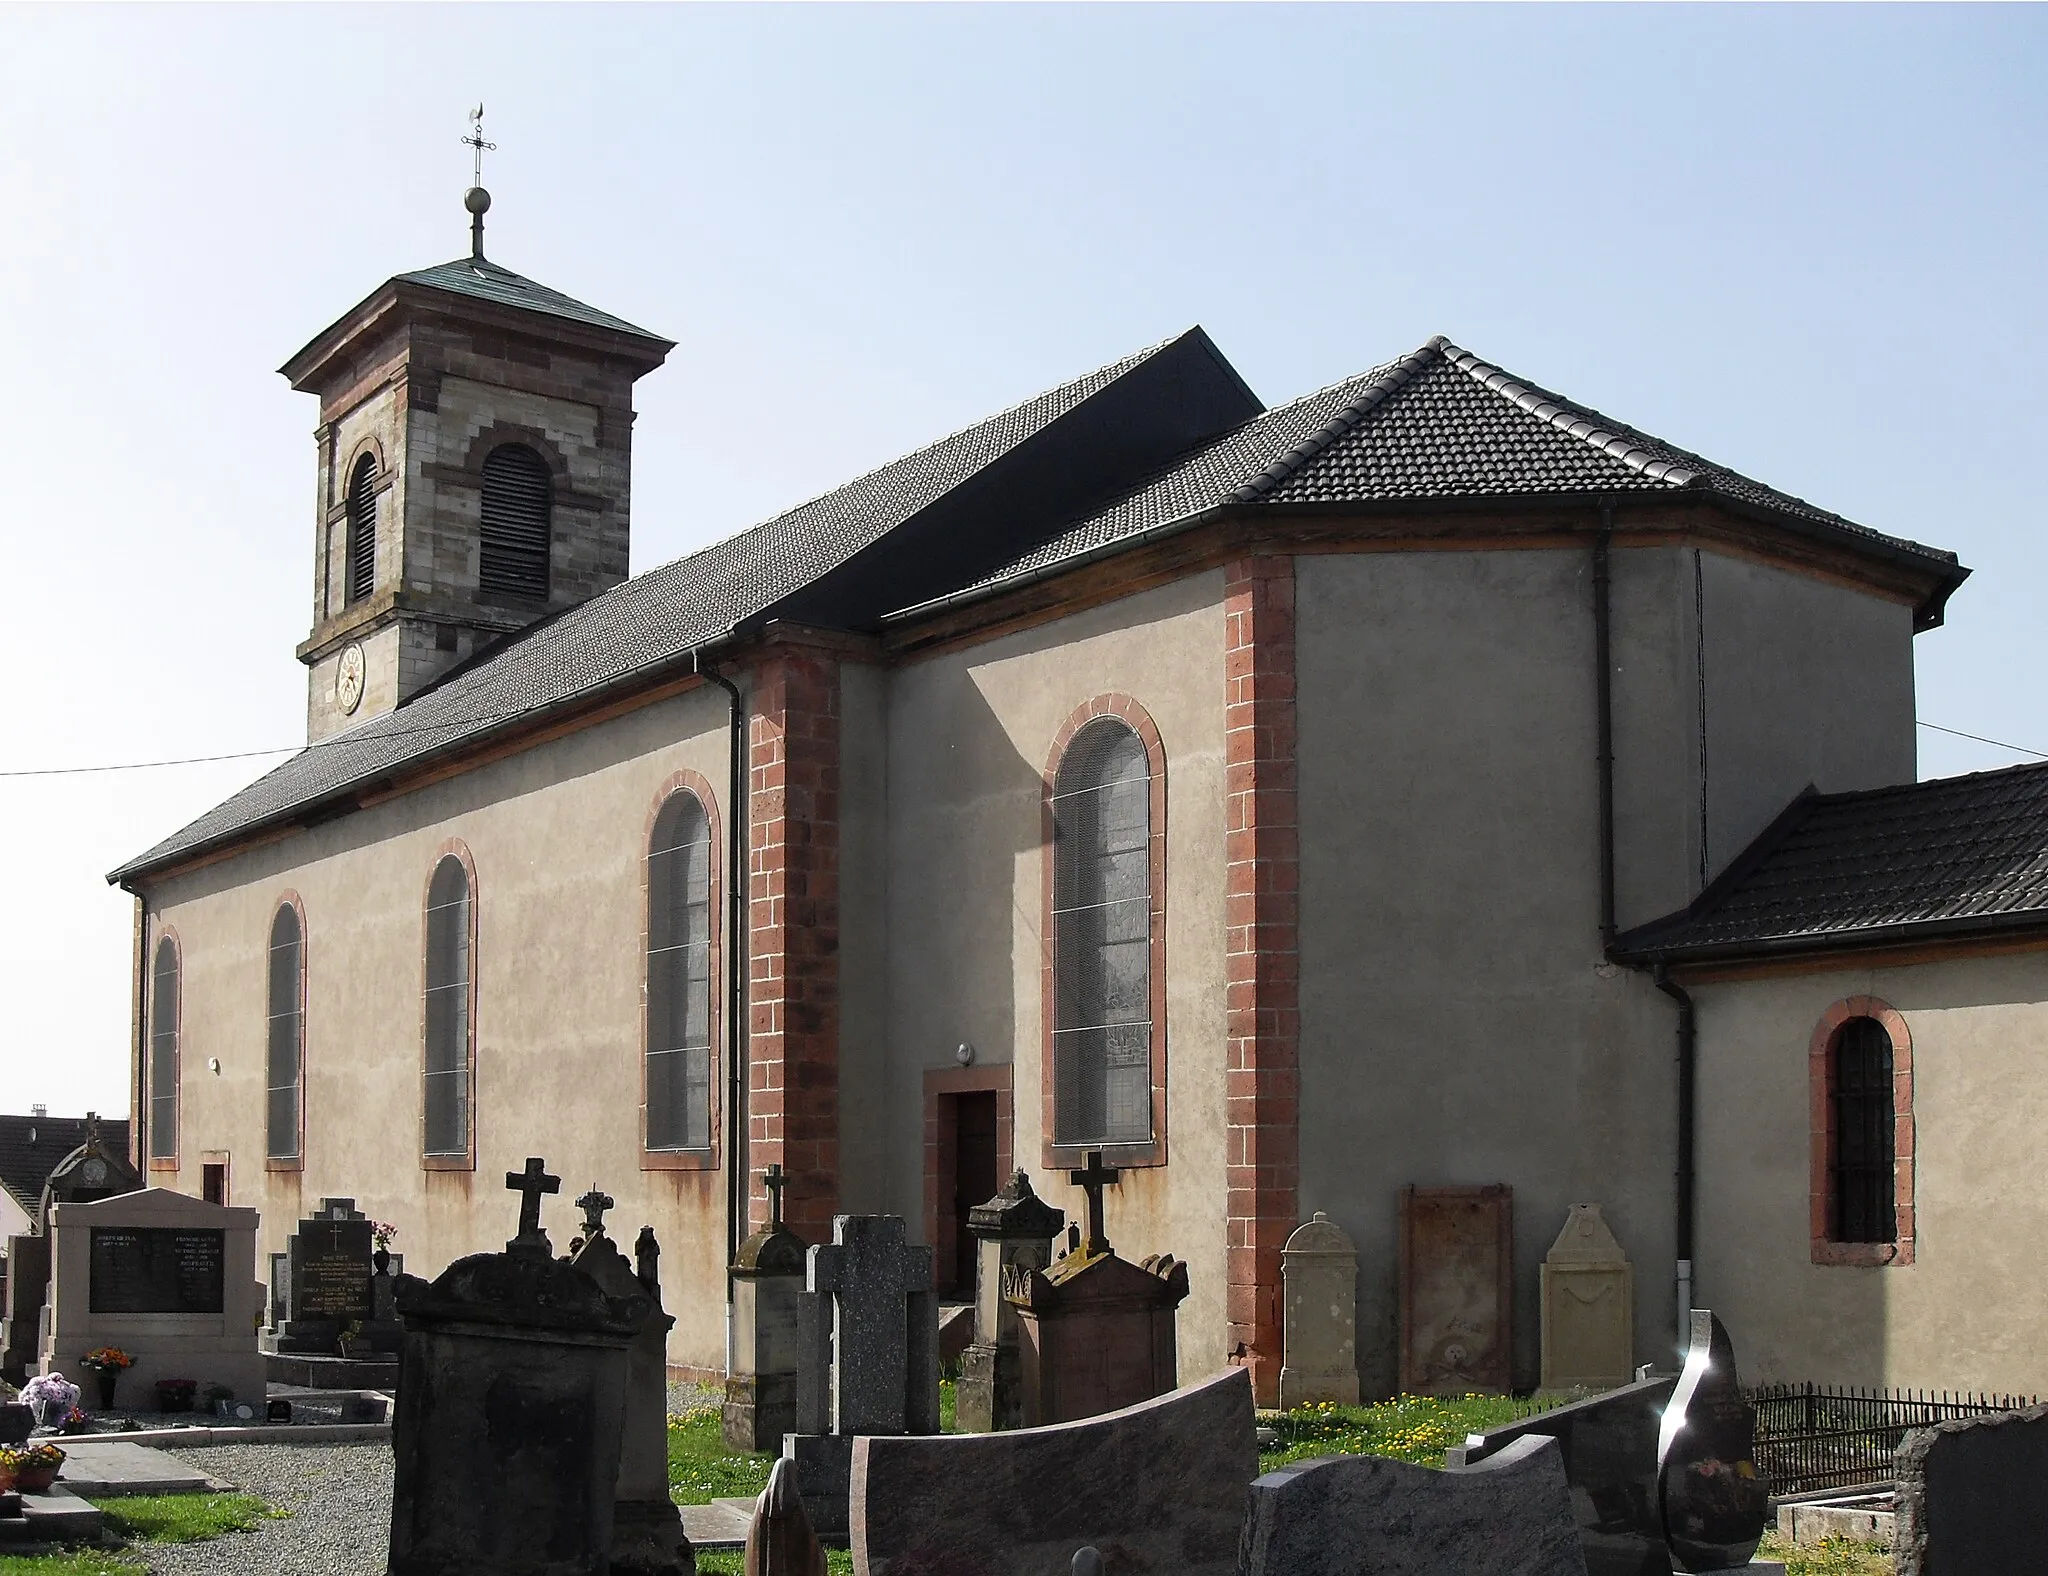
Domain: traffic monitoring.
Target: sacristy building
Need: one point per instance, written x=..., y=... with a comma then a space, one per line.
x=1389, y=786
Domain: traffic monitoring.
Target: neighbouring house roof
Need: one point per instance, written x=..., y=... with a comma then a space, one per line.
x=1147, y=444
x=1952, y=856
x=31, y=1146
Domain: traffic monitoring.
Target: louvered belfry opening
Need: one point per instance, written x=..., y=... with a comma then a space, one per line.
x=362, y=528
x=518, y=500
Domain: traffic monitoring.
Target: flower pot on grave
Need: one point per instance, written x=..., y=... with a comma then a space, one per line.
x=174, y=1395
x=36, y=1480
x=105, y=1379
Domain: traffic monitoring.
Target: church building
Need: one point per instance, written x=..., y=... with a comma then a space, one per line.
x=1293, y=803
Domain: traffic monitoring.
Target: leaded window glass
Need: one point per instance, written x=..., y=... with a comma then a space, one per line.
x=447, y=1092
x=284, y=1057
x=1864, y=1118
x=163, y=1052
x=679, y=977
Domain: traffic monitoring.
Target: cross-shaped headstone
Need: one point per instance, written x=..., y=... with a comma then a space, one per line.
x=1092, y=1181
x=875, y=1284
x=594, y=1204
x=529, y=1185
x=774, y=1179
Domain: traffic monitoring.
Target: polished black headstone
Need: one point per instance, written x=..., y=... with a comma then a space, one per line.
x=1715, y=1499
x=1970, y=1495
x=1609, y=1445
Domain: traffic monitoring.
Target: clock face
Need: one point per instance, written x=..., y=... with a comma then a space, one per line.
x=94, y=1171
x=348, y=680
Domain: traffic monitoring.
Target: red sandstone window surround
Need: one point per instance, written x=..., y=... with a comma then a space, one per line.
x=448, y=1000
x=165, y=1009
x=1104, y=993
x=1860, y=1121
x=284, y=1061
x=682, y=1014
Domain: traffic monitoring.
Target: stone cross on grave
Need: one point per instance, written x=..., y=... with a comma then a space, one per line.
x=594, y=1204
x=529, y=1185
x=879, y=1290
x=1092, y=1181
x=775, y=1179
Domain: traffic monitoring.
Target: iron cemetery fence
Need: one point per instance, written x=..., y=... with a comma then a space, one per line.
x=1811, y=1436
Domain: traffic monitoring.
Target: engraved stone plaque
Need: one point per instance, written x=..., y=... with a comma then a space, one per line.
x=153, y=1269
x=1457, y=1258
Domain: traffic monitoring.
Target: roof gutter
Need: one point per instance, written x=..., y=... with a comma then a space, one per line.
x=2025, y=923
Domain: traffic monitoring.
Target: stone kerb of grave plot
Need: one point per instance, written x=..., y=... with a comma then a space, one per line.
x=1970, y=1495
x=1319, y=1313
x=1157, y=1487
x=168, y=1278
x=1510, y=1515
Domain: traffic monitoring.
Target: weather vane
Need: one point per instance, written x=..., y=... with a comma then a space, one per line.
x=476, y=199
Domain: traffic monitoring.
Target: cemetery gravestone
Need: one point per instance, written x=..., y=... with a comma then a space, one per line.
x=1319, y=1315
x=780, y=1541
x=1588, y=1306
x=1457, y=1270
x=1013, y=1234
x=28, y=1288
x=328, y=1277
x=94, y=1170
x=868, y=1358
x=1510, y=1515
x=1609, y=1448
x=767, y=1285
x=1156, y=1487
x=511, y=1409
x=647, y=1529
x=1714, y=1499
x=1095, y=1332
x=1970, y=1495
x=168, y=1278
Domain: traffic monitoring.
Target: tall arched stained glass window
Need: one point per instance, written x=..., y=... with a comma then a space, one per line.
x=518, y=503
x=679, y=899
x=284, y=1062
x=1863, y=1119
x=163, y=1052
x=1102, y=938
x=362, y=528
x=445, y=1126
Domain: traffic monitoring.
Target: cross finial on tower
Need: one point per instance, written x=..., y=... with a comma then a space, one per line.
x=476, y=199
x=1092, y=1182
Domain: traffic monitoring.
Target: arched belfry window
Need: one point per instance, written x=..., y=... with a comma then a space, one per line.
x=163, y=1052
x=445, y=1127
x=284, y=1063
x=1102, y=938
x=362, y=528
x=518, y=501
x=679, y=911
x=1862, y=1122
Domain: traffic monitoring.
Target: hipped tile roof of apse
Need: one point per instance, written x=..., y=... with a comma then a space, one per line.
x=1436, y=423
x=1955, y=854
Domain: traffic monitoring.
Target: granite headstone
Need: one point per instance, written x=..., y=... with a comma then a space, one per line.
x=1970, y=1495
x=1510, y=1515
x=1714, y=1499
x=1156, y=1487
x=328, y=1275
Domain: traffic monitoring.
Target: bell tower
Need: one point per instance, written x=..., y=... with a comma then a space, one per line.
x=475, y=465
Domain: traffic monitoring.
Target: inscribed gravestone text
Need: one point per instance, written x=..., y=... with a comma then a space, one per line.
x=150, y=1269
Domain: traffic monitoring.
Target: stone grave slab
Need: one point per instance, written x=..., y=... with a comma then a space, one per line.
x=98, y=1469
x=54, y=1516
x=1456, y=1289
x=1510, y=1515
x=1609, y=1448
x=1588, y=1306
x=1715, y=1500
x=1160, y=1486
x=1319, y=1315
x=1970, y=1495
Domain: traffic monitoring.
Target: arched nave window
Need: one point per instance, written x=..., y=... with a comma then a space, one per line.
x=449, y=1077
x=163, y=1052
x=679, y=917
x=284, y=1060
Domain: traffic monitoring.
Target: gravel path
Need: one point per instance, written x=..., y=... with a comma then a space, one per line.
x=339, y=1497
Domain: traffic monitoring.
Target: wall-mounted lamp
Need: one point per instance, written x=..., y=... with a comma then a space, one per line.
x=963, y=1053
x=213, y=1065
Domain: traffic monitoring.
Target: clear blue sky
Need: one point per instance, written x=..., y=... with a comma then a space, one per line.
x=1805, y=242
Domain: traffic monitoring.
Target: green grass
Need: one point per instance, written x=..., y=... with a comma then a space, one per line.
x=1414, y=1428
x=72, y=1562
x=733, y=1563
x=184, y=1518
x=701, y=1469
x=1829, y=1557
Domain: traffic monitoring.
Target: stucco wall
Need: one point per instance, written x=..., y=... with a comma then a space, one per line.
x=969, y=736
x=1964, y=1315
x=558, y=838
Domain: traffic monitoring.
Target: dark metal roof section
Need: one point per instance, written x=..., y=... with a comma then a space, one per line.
x=31, y=1147
x=1014, y=468
x=1953, y=856
x=484, y=280
x=1439, y=423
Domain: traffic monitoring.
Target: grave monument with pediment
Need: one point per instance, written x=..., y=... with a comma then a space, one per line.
x=168, y=1278
x=767, y=1286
